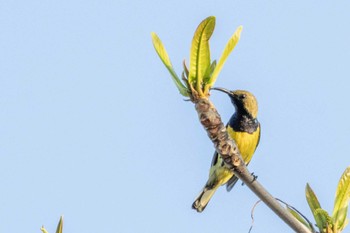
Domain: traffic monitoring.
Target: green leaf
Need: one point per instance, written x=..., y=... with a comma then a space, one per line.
x=231, y=44
x=300, y=218
x=186, y=72
x=326, y=222
x=43, y=229
x=341, y=201
x=209, y=72
x=60, y=225
x=314, y=206
x=200, y=53
x=163, y=55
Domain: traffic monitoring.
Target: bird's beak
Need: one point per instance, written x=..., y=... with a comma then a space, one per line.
x=222, y=90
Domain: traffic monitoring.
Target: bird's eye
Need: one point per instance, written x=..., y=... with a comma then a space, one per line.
x=243, y=96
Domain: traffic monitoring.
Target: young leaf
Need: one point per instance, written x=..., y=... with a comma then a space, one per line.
x=200, y=53
x=231, y=44
x=60, y=225
x=186, y=72
x=209, y=72
x=43, y=229
x=314, y=206
x=326, y=222
x=163, y=55
x=341, y=201
x=300, y=219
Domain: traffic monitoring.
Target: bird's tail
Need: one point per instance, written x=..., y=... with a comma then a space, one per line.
x=203, y=198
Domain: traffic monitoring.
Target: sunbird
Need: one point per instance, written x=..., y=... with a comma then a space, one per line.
x=244, y=128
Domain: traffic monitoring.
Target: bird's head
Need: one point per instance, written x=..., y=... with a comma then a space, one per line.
x=244, y=101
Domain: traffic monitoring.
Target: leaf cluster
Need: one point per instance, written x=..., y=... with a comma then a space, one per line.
x=325, y=222
x=202, y=73
x=58, y=229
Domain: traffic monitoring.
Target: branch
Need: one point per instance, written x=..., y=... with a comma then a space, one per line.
x=227, y=148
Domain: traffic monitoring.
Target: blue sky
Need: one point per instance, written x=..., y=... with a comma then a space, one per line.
x=93, y=128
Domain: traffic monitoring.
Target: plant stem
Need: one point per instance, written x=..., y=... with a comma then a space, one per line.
x=228, y=150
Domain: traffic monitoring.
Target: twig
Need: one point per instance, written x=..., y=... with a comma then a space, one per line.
x=252, y=215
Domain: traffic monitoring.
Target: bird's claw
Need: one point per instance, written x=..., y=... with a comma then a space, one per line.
x=254, y=178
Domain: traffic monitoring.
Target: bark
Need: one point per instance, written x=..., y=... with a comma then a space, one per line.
x=227, y=148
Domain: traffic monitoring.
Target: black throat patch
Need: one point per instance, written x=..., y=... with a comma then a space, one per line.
x=243, y=123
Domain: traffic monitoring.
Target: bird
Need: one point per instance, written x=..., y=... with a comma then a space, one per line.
x=244, y=128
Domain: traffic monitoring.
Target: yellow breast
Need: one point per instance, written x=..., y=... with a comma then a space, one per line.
x=246, y=142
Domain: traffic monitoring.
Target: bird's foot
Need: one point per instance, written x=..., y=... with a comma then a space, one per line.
x=254, y=178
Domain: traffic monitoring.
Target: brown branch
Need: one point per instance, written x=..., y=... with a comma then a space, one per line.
x=227, y=148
